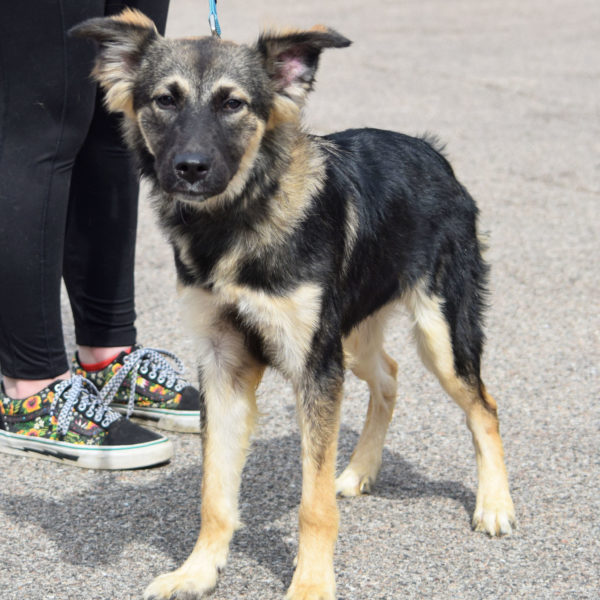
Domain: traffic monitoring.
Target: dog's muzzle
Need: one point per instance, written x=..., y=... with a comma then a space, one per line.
x=197, y=175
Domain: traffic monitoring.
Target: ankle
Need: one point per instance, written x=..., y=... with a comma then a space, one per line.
x=18, y=389
x=92, y=355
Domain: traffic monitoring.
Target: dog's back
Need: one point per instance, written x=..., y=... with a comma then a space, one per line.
x=408, y=221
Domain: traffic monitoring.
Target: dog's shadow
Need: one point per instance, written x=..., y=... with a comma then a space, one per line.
x=165, y=513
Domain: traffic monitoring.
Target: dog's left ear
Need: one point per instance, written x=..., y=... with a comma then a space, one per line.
x=122, y=40
x=291, y=59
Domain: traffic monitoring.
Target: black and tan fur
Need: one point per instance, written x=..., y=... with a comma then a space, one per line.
x=291, y=250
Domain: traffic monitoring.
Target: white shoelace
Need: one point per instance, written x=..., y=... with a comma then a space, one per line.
x=80, y=395
x=146, y=361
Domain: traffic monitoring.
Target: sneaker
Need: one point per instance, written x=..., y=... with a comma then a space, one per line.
x=69, y=422
x=160, y=394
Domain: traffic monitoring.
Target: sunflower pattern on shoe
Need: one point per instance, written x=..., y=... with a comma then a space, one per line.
x=68, y=421
x=42, y=415
x=159, y=394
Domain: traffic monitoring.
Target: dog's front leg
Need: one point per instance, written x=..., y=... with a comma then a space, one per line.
x=229, y=378
x=319, y=407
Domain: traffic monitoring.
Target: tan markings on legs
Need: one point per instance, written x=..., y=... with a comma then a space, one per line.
x=318, y=516
x=494, y=511
x=230, y=377
x=368, y=361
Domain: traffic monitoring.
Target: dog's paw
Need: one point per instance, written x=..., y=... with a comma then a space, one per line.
x=182, y=584
x=351, y=483
x=310, y=592
x=495, y=517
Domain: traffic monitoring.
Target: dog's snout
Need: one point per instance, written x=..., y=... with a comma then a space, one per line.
x=192, y=166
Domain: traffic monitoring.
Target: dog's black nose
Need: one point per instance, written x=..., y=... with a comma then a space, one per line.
x=192, y=166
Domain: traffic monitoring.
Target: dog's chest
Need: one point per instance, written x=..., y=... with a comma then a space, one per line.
x=285, y=324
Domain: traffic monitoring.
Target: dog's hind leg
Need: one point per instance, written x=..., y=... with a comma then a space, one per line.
x=368, y=361
x=453, y=355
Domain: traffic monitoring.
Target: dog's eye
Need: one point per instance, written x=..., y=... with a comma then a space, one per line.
x=232, y=104
x=165, y=101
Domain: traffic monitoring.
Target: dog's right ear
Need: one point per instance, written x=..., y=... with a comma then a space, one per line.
x=122, y=40
x=291, y=58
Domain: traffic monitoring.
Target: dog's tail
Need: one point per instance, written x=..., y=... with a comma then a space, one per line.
x=460, y=279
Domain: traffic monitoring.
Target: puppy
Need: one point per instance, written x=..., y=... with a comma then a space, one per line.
x=291, y=250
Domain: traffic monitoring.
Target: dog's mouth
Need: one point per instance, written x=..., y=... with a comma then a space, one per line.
x=195, y=198
x=189, y=193
x=193, y=193
x=193, y=189
x=192, y=178
x=188, y=197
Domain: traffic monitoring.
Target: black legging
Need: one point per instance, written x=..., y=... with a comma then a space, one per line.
x=68, y=192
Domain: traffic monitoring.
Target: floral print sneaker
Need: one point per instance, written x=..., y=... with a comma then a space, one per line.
x=160, y=394
x=69, y=422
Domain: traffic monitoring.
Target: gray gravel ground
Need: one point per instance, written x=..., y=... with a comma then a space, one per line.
x=513, y=88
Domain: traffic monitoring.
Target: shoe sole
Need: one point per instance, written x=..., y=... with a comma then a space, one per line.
x=138, y=456
x=182, y=421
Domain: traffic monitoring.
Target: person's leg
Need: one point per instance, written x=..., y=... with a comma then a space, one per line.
x=101, y=232
x=100, y=240
x=46, y=103
x=99, y=274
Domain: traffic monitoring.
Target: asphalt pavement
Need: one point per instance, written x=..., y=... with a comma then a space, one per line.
x=513, y=89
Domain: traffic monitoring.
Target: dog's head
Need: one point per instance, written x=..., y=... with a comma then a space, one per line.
x=197, y=110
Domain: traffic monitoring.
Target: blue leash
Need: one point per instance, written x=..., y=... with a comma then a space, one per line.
x=213, y=19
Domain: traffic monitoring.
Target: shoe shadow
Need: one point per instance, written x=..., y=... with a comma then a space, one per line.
x=93, y=526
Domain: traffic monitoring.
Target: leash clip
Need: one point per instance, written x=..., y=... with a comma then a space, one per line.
x=213, y=19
